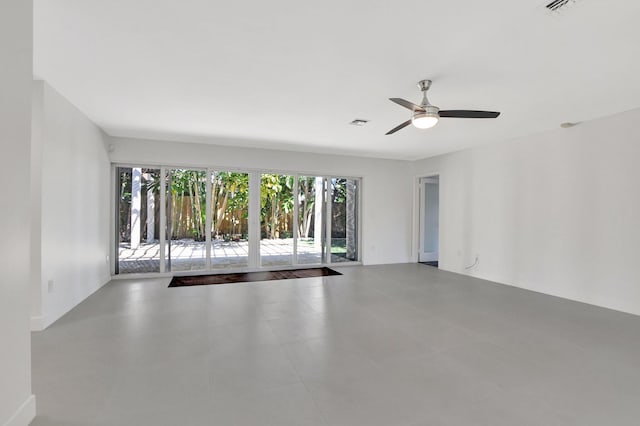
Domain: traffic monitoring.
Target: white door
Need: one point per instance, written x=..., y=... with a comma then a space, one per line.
x=429, y=218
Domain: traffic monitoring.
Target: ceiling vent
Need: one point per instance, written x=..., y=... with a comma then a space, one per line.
x=359, y=122
x=559, y=5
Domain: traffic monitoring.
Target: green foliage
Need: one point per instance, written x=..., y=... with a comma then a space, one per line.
x=188, y=189
x=276, y=204
x=229, y=201
x=339, y=190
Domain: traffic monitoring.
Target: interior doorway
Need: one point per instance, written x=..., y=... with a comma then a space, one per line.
x=429, y=220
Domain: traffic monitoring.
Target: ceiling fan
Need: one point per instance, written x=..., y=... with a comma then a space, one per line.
x=426, y=115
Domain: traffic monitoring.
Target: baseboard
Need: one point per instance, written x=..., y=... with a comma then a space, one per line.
x=37, y=323
x=25, y=414
x=105, y=280
x=55, y=316
x=559, y=295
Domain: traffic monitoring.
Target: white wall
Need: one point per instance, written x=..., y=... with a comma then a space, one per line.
x=37, y=128
x=75, y=206
x=17, y=404
x=557, y=213
x=386, y=219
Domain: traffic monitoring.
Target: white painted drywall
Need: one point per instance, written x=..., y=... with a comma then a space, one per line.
x=37, y=128
x=17, y=404
x=386, y=219
x=557, y=213
x=75, y=206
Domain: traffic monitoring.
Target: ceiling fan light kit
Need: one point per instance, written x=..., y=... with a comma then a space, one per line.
x=425, y=120
x=426, y=115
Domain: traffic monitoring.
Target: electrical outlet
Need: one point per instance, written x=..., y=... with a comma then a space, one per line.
x=50, y=286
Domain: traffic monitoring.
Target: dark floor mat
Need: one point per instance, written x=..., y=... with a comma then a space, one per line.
x=432, y=263
x=251, y=277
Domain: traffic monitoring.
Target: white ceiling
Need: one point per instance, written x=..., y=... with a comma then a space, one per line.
x=292, y=74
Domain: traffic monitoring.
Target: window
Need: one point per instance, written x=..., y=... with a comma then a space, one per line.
x=188, y=219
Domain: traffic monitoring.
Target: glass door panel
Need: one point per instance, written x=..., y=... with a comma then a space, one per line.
x=229, y=220
x=276, y=219
x=138, y=220
x=344, y=220
x=186, y=220
x=311, y=208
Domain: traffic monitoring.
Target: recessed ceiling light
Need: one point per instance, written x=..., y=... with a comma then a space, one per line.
x=359, y=122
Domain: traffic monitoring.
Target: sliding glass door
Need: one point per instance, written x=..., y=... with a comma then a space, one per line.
x=187, y=219
x=311, y=241
x=229, y=228
x=137, y=220
x=276, y=219
x=344, y=220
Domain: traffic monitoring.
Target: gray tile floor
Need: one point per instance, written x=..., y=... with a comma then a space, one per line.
x=397, y=345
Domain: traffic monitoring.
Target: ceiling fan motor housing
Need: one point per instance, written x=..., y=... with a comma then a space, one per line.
x=429, y=110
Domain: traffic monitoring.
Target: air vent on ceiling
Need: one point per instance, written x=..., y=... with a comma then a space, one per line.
x=557, y=5
x=359, y=122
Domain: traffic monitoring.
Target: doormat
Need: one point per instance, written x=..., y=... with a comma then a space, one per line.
x=247, y=277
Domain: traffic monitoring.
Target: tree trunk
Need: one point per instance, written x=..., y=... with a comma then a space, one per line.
x=274, y=218
x=180, y=215
x=222, y=209
x=198, y=205
x=136, y=206
x=307, y=222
